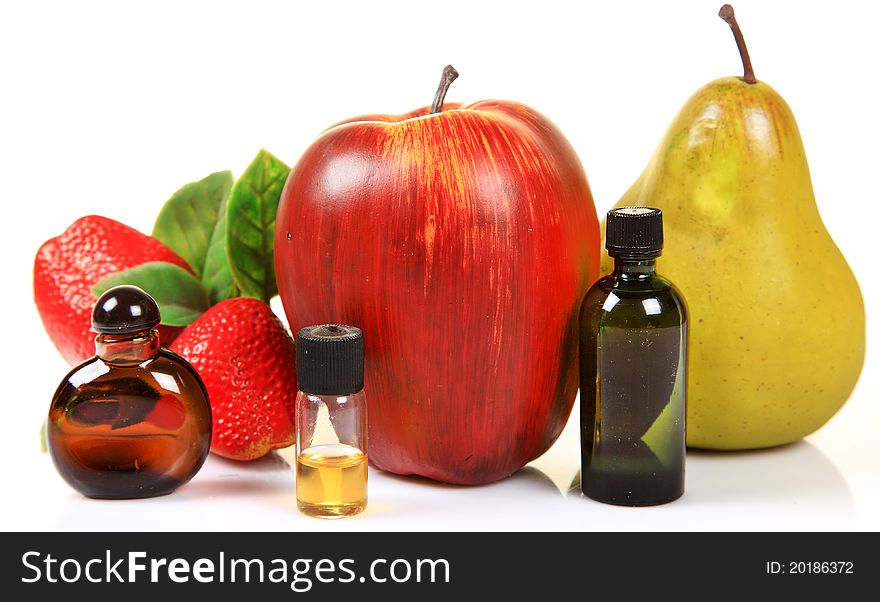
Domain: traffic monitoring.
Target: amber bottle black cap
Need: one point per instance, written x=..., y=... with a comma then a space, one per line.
x=125, y=309
x=330, y=359
x=636, y=231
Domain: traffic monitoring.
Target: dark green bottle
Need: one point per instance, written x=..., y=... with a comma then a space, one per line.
x=633, y=354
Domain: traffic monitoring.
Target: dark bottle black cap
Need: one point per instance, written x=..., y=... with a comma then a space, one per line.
x=330, y=359
x=125, y=309
x=634, y=231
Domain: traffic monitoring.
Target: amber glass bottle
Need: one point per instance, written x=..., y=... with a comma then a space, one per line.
x=133, y=421
x=633, y=342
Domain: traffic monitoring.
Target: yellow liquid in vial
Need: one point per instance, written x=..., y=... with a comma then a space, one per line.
x=331, y=481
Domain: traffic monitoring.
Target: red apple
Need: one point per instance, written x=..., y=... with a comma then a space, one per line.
x=461, y=239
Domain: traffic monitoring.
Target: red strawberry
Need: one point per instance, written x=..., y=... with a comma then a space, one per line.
x=245, y=357
x=68, y=266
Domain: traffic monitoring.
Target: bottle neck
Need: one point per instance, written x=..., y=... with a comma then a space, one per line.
x=134, y=348
x=635, y=266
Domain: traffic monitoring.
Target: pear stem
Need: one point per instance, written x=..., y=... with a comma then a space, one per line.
x=449, y=76
x=726, y=13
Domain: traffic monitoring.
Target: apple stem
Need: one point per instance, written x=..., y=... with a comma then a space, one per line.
x=726, y=13
x=449, y=76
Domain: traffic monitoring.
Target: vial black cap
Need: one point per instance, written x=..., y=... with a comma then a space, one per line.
x=125, y=309
x=634, y=231
x=330, y=359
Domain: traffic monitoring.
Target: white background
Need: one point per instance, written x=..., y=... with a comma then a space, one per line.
x=109, y=107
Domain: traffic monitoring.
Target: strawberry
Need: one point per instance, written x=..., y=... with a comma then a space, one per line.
x=245, y=357
x=68, y=266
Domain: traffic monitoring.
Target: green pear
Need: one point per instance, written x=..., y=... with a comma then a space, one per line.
x=777, y=322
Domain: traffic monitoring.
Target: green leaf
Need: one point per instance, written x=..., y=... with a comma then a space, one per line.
x=217, y=276
x=181, y=297
x=189, y=218
x=250, y=226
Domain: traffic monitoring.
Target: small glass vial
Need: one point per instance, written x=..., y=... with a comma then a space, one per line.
x=133, y=421
x=633, y=361
x=331, y=421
